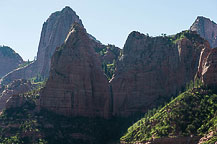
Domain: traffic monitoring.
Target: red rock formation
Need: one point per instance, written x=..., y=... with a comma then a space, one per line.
x=53, y=34
x=207, y=137
x=9, y=60
x=77, y=85
x=153, y=69
x=15, y=88
x=207, y=29
x=112, y=53
x=208, y=68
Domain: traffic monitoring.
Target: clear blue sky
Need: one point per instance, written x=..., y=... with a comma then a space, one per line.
x=110, y=21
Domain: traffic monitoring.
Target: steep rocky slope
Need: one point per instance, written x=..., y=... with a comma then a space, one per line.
x=206, y=29
x=152, y=69
x=53, y=34
x=77, y=85
x=207, y=69
x=184, y=120
x=14, y=88
x=149, y=72
x=9, y=60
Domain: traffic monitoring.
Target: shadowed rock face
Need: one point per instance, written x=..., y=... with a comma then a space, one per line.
x=207, y=29
x=151, y=69
x=9, y=60
x=208, y=67
x=77, y=85
x=53, y=34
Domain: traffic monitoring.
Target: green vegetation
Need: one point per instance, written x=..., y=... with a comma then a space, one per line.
x=19, y=125
x=26, y=63
x=212, y=124
x=109, y=69
x=23, y=125
x=109, y=66
x=27, y=125
x=191, y=113
x=38, y=79
x=193, y=37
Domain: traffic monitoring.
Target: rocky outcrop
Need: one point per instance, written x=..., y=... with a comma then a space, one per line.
x=53, y=34
x=9, y=60
x=208, y=137
x=77, y=85
x=15, y=101
x=207, y=69
x=151, y=70
x=15, y=88
x=206, y=29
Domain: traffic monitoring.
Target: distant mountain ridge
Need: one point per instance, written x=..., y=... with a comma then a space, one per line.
x=9, y=60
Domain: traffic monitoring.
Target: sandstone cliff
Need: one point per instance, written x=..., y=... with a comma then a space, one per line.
x=207, y=69
x=53, y=34
x=77, y=85
x=206, y=29
x=149, y=71
x=9, y=60
x=152, y=69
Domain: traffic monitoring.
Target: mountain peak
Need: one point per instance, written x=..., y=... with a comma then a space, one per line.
x=67, y=9
x=75, y=30
x=207, y=29
x=10, y=60
x=65, y=14
x=202, y=18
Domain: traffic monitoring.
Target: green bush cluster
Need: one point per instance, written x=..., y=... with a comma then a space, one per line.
x=109, y=69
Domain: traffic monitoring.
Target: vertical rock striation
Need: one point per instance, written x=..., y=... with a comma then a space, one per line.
x=53, y=34
x=207, y=29
x=153, y=69
x=77, y=85
x=150, y=71
x=208, y=68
